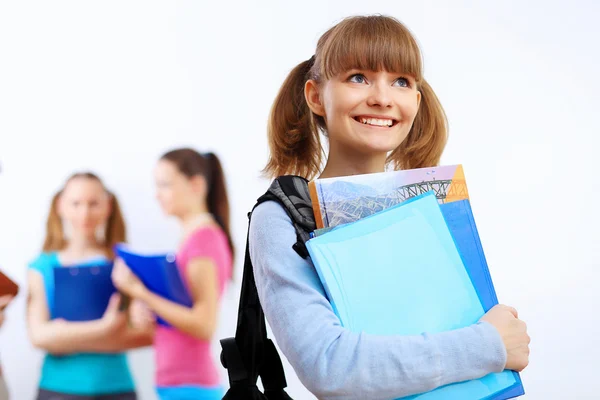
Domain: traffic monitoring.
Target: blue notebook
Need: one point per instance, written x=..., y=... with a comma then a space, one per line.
x=160, y=275
x=81, y=293
x=461, y=223
x=411, y=268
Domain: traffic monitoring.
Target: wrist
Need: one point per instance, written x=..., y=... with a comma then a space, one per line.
x=104, y=325
x=143, y=294
x=56, y=326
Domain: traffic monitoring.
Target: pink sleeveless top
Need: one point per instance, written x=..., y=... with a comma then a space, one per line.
x=180, y=358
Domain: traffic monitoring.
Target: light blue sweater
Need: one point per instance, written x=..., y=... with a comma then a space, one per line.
x=335, y=363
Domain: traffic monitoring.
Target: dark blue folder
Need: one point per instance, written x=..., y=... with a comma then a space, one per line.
x=160, y=275
x=81, y=293
x=459, y=219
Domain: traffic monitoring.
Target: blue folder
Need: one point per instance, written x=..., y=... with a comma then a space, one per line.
x=461, y=223
x=412, y=269
x=160, y=275
x=82, y=292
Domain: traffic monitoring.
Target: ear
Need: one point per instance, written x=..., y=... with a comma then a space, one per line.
x=198, y=183
x=60, y=205
x=418, y=100
x=313, y=97
x=109, y=205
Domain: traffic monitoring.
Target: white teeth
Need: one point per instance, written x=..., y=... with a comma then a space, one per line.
x=376, y=121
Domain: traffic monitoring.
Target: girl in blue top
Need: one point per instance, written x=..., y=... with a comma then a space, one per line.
x=84, y=360
x=364, y=90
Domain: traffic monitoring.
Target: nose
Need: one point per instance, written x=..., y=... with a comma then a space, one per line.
x=86, y=212
x=380, y=95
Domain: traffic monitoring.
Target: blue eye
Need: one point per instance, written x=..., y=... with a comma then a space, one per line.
x=402, y=82
x=357, y=78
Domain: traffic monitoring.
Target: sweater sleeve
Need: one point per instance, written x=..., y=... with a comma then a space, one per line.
x=335, y=363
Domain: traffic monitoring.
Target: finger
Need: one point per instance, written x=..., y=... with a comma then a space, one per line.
x=4, y=300
x=512, y=310
x=123, y=266
x=115, y=273
x=114, y=301
x=120, y=267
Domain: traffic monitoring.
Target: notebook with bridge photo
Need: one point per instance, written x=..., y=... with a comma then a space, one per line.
x=344, y=199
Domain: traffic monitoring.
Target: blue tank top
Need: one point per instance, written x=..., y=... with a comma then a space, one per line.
x=82, y=373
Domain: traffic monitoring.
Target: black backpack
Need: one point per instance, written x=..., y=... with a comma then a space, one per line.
x=250, y=353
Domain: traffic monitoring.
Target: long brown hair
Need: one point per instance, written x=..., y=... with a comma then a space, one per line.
x=115, y=227
x=367, y=43
x=191, y=163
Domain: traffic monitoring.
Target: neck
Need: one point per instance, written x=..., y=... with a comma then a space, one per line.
x=82, y=246
x=196, y=217
x=346, y=163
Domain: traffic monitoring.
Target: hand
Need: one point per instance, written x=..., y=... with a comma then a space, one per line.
x=514, y=335
x=4, y=301
x=126, y=281
x=141, y=316
x=113, y=319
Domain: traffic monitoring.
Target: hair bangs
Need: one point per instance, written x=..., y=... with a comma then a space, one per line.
x=373, y=44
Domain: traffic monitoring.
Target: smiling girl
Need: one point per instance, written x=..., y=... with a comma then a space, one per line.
x=364, y=90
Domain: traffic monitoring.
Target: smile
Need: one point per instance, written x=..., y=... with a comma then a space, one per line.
x=378, y=122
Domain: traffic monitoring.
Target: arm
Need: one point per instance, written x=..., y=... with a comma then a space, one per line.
x=138, y=333
x=57, y=336
x=61, y=337
x=198, y=321
x=335, y=363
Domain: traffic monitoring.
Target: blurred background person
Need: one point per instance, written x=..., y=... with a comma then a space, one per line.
x=191, y=187
x=84, y=360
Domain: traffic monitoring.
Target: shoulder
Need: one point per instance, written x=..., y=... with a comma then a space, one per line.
x=267, y=213
x=44, y=261
x=271, y=239
x=206, y=242
x=207, y=232
x=205, y=237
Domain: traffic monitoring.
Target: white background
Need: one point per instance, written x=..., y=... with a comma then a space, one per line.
x=110, y=85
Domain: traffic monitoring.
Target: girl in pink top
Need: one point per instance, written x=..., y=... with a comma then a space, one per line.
x=191, y=187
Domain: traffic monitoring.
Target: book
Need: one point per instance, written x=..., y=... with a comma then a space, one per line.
x=344, y=200
x=8, y=287
x=159, y=273
x=82, y=292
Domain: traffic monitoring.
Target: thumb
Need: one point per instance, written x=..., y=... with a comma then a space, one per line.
x=5, y=300
x=113, y=303
x=512, y=310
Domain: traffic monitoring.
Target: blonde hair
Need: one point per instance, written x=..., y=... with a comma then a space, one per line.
x=115, y=228
x=366, y=43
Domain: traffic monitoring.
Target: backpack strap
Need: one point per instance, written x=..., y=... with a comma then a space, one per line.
x=251, y=353
x=292, y=193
